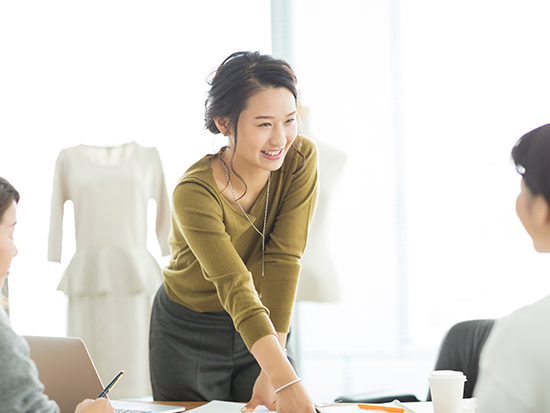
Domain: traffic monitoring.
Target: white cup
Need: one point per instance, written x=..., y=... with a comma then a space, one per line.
x=447, y=388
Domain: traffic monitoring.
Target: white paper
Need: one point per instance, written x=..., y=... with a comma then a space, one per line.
x=217, y=406
x=468, y=406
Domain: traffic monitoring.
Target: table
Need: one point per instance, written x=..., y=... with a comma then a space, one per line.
x=187, y=405
x=420, y=407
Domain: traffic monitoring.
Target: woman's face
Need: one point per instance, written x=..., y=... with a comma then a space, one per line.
x=533, y=212
x=266, y=130
x=8, y=249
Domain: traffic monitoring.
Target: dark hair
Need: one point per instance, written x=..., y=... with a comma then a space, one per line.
x=237, y=79
x=531, y=154
x=8, y=194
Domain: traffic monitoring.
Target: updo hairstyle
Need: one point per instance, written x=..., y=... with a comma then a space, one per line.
x=531, y=154
x=239, y=77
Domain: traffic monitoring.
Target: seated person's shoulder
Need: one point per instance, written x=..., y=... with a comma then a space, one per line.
x=515, y=362
x=525, y=328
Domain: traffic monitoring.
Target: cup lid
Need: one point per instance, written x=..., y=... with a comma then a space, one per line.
x=447, y=375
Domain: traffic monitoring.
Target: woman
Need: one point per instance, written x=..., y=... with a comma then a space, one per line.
x=239, y=227
x=21, y=390
x=515, y=362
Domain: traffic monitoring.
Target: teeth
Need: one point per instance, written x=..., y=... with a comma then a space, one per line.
x=272, y=153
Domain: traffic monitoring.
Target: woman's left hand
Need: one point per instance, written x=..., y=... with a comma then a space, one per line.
x=262, y=393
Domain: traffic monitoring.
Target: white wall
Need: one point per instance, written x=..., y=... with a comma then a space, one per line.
x=463, y=81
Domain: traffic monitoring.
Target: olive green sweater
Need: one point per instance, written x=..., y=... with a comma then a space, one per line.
x=216, y=261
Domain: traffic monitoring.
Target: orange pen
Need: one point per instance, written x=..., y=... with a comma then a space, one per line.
x=383, y=408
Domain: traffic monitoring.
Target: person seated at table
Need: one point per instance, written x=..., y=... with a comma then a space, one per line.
x=515, y=361
x=20, y=388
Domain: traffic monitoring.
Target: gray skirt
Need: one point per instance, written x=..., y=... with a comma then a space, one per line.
x=197, y=356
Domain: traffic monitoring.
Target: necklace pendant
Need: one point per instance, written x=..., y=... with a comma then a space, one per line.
x=262, y=234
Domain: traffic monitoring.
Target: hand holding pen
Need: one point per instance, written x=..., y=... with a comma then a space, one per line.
x=101, y=405
x=111, y=384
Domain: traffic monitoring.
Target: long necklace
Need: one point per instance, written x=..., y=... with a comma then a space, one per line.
x=262, y=234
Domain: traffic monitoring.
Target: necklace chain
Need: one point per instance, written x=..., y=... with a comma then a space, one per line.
x=262, y=234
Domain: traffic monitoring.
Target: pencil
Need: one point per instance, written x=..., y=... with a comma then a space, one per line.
x=111, y=384
x=383, y=408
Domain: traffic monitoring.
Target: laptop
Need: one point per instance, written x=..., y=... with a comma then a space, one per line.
x=69, y=375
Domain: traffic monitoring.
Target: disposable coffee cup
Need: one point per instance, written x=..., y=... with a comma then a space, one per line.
x=447, y=388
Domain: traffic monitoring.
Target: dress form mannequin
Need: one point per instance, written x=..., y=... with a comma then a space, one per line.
x=112, y=278
x=319, y=278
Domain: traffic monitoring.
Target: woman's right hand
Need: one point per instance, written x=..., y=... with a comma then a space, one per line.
x=278, y=372
x=262, y=393
x=294, y=398
x=100, y=405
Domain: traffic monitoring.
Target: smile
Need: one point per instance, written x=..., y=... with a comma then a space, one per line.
x=273, y=152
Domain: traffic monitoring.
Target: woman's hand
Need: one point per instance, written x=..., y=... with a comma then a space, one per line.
x=276, y=373
x=262, y=393
x=100, y=405
x=294, y=398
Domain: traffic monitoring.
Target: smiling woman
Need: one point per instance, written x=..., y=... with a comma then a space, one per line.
x=220, y=321
x=267, y=128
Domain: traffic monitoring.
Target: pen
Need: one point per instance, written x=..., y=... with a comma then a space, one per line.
x=383, y=408
x=111, y=384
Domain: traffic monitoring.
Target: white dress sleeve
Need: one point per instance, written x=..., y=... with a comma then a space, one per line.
x=60, y=194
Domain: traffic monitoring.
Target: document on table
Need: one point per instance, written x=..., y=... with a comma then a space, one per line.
x=468, y=406
x=418, y=407
x=216, y=406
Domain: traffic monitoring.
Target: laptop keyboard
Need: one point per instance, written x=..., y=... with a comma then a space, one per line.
x=132, y=411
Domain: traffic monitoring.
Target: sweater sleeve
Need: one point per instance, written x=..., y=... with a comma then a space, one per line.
x=288, y=239
x=20, y=388
x=60, y=194
x=160, y=195
x=199, y=218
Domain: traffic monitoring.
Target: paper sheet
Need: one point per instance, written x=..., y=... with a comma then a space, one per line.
x=468, y=406
x=217, y=406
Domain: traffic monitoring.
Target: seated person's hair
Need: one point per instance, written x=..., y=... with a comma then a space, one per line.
x=531, y=154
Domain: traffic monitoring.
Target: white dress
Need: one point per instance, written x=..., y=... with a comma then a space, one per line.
x=112, y=278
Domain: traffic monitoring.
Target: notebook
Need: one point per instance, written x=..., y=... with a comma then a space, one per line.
x=69, y=375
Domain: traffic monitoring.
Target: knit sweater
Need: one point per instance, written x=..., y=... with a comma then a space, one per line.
x=216, y=262
x=20, y=388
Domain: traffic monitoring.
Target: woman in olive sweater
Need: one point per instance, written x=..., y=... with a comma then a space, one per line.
x=240, y=221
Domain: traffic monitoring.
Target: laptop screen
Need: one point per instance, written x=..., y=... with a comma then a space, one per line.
x=66, y=370
x=69, y=375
